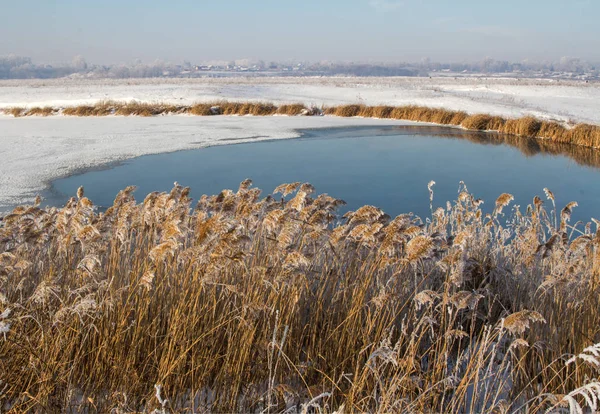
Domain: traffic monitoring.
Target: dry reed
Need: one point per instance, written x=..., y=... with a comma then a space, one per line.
x=15, y=111
x=205, y=109
x=482, y=122
x=45, y=111
x=527, y=126
x=291, y=109
x=250, y=304
x=581, y=134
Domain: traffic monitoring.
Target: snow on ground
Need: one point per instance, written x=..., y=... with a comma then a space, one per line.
x=35, y=150
x=551, y=99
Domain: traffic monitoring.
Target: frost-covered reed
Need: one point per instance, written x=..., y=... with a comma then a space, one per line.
x=242, y=303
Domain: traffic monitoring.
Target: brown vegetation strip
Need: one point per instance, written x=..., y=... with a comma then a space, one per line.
x=249, y=304
x=582, y=134
x=527, y=146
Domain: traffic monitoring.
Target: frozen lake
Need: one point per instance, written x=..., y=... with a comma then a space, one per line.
x=387, y=166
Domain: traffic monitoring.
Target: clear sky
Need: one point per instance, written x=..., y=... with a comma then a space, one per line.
x=111, y=31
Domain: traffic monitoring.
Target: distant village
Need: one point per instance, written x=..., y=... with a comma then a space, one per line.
x=15, y=67
x=515, y=70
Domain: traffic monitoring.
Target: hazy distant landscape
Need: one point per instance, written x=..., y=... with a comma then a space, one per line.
x=19, y=67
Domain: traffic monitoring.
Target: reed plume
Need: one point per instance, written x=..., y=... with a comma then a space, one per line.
x=243, y=303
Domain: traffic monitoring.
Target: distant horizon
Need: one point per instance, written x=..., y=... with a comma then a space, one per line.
x=253, y=60
x=341, y=31
x=16, y=67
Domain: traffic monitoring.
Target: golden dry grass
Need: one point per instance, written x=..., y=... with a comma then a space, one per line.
x=99, y=109
x=482, y=122
x=262, y=109
x=527, y=126
x=553, y=130
x=458, y=117
x=583, y=134
x=291, y=109
x=45, y=111
x=146, y=109
x=382, y=111
x=346, y=110
x=586, y=135
x=133, y=108
x=15, y=111
x=246, y=304
x=202, y=109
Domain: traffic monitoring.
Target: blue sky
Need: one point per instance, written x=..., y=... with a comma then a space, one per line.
x=111, y=31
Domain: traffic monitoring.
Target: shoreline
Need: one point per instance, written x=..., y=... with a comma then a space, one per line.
x=527, y=146
x=563, y=101
x=39, y=150
x=581, y=134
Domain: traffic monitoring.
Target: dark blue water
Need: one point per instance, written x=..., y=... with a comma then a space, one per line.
x=388, y=167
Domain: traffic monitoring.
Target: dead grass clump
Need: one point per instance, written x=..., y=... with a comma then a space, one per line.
x=15, y=111
x=247, y=304
x=382, y=112
x=479, y=122
x=366, y=111
x=348, y=110
x=133, y=108
x=292, y=109
x=399, y=112
x=443, y=116
x=81, y=110
x=45, y=111
x=245, y=108
x=201, y=109
x=527, y=126
x=103, y=108
x=231, y=108
x=584, y=134
x=412, y=113
x=100, y=109
x=422, y=114
x=458, y=117
x=263, y=109
x=552, y=130
x=235, y=108
x=139, y=109
x=496, y=123
x=175, y=109
x=329, y=110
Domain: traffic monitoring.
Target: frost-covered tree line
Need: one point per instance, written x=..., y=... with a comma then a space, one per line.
x=19, y=67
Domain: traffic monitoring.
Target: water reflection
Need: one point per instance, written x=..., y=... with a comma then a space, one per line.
x=388, y=167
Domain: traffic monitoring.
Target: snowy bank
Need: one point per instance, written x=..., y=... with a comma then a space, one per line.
x=546, y=99
x=36, y=150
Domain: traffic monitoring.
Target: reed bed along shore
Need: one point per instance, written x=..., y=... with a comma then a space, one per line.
x=580, y=134
x=528, y=146
x=246, y=304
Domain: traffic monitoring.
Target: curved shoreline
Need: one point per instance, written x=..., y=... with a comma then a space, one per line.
x=38, y=150
x=581, y=134
x=527, y=146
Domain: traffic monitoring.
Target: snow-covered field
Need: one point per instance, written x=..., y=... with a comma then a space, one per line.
x=36, y=150
x=561, y=100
